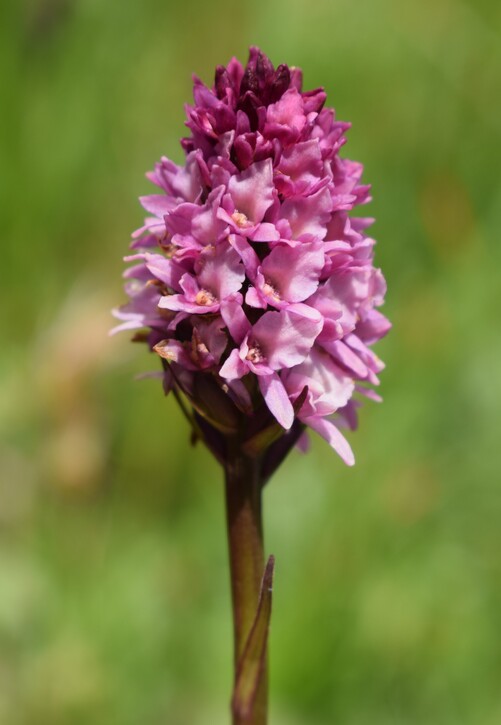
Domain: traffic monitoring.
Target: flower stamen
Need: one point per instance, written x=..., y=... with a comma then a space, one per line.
x=204, y=298
x=240, y=219
x=271, y=291
x=255, y=354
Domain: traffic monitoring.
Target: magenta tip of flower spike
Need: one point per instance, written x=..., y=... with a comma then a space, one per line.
x=255, y=285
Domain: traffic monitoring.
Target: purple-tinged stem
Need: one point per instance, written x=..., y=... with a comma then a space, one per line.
x=245, y=540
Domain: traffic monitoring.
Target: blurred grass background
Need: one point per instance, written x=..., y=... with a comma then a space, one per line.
x=114, y=596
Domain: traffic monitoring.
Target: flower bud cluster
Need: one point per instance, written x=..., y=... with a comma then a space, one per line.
x=250, y=276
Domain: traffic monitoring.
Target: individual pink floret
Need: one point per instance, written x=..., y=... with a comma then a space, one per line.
x=278, y=340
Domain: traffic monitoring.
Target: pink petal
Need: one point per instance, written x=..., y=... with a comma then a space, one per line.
x=308, y=215
x=138, y=271
x=277, y=399
x=247, y=254
x=234, y=317
x=332, y=435
x=179, y=181
x=304, y=310
x=345, y=356
x=294, y=271
x=205, y=226
x=300, y=168
x=254, y=299
x=368, y=356
x=234, y=367
x=189, y=286
x=368, y=393
x=178, y=221
x=188, y=302
x=164, y=269
x=288, y=112
x=157, y=204
x=373, y=327
x=220, y=270
x=253, y=190
x=340, y=297
x=175, y=351
x=265, y=232
x=179, y=303
x=329, y=387
x=211, y=334
x=124, y=326
x=285, y=338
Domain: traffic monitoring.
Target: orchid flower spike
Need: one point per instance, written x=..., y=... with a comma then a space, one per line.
x=251, y=280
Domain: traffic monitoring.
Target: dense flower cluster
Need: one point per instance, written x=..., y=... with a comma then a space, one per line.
x=250, y=273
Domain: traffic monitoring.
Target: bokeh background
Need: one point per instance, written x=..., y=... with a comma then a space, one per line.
x=114, y=595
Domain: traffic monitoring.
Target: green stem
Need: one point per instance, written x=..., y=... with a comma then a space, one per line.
x=245, y=540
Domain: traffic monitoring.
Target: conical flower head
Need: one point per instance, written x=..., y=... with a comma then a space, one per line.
x=251, y=279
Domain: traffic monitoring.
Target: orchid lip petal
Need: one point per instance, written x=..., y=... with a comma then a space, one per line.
x=285, y=337
x=277, y=399
x=234, y=368
x=328, y=430
x=253, y=190
x=234, y=317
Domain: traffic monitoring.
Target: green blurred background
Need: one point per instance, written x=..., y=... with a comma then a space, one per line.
x=114, y=596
